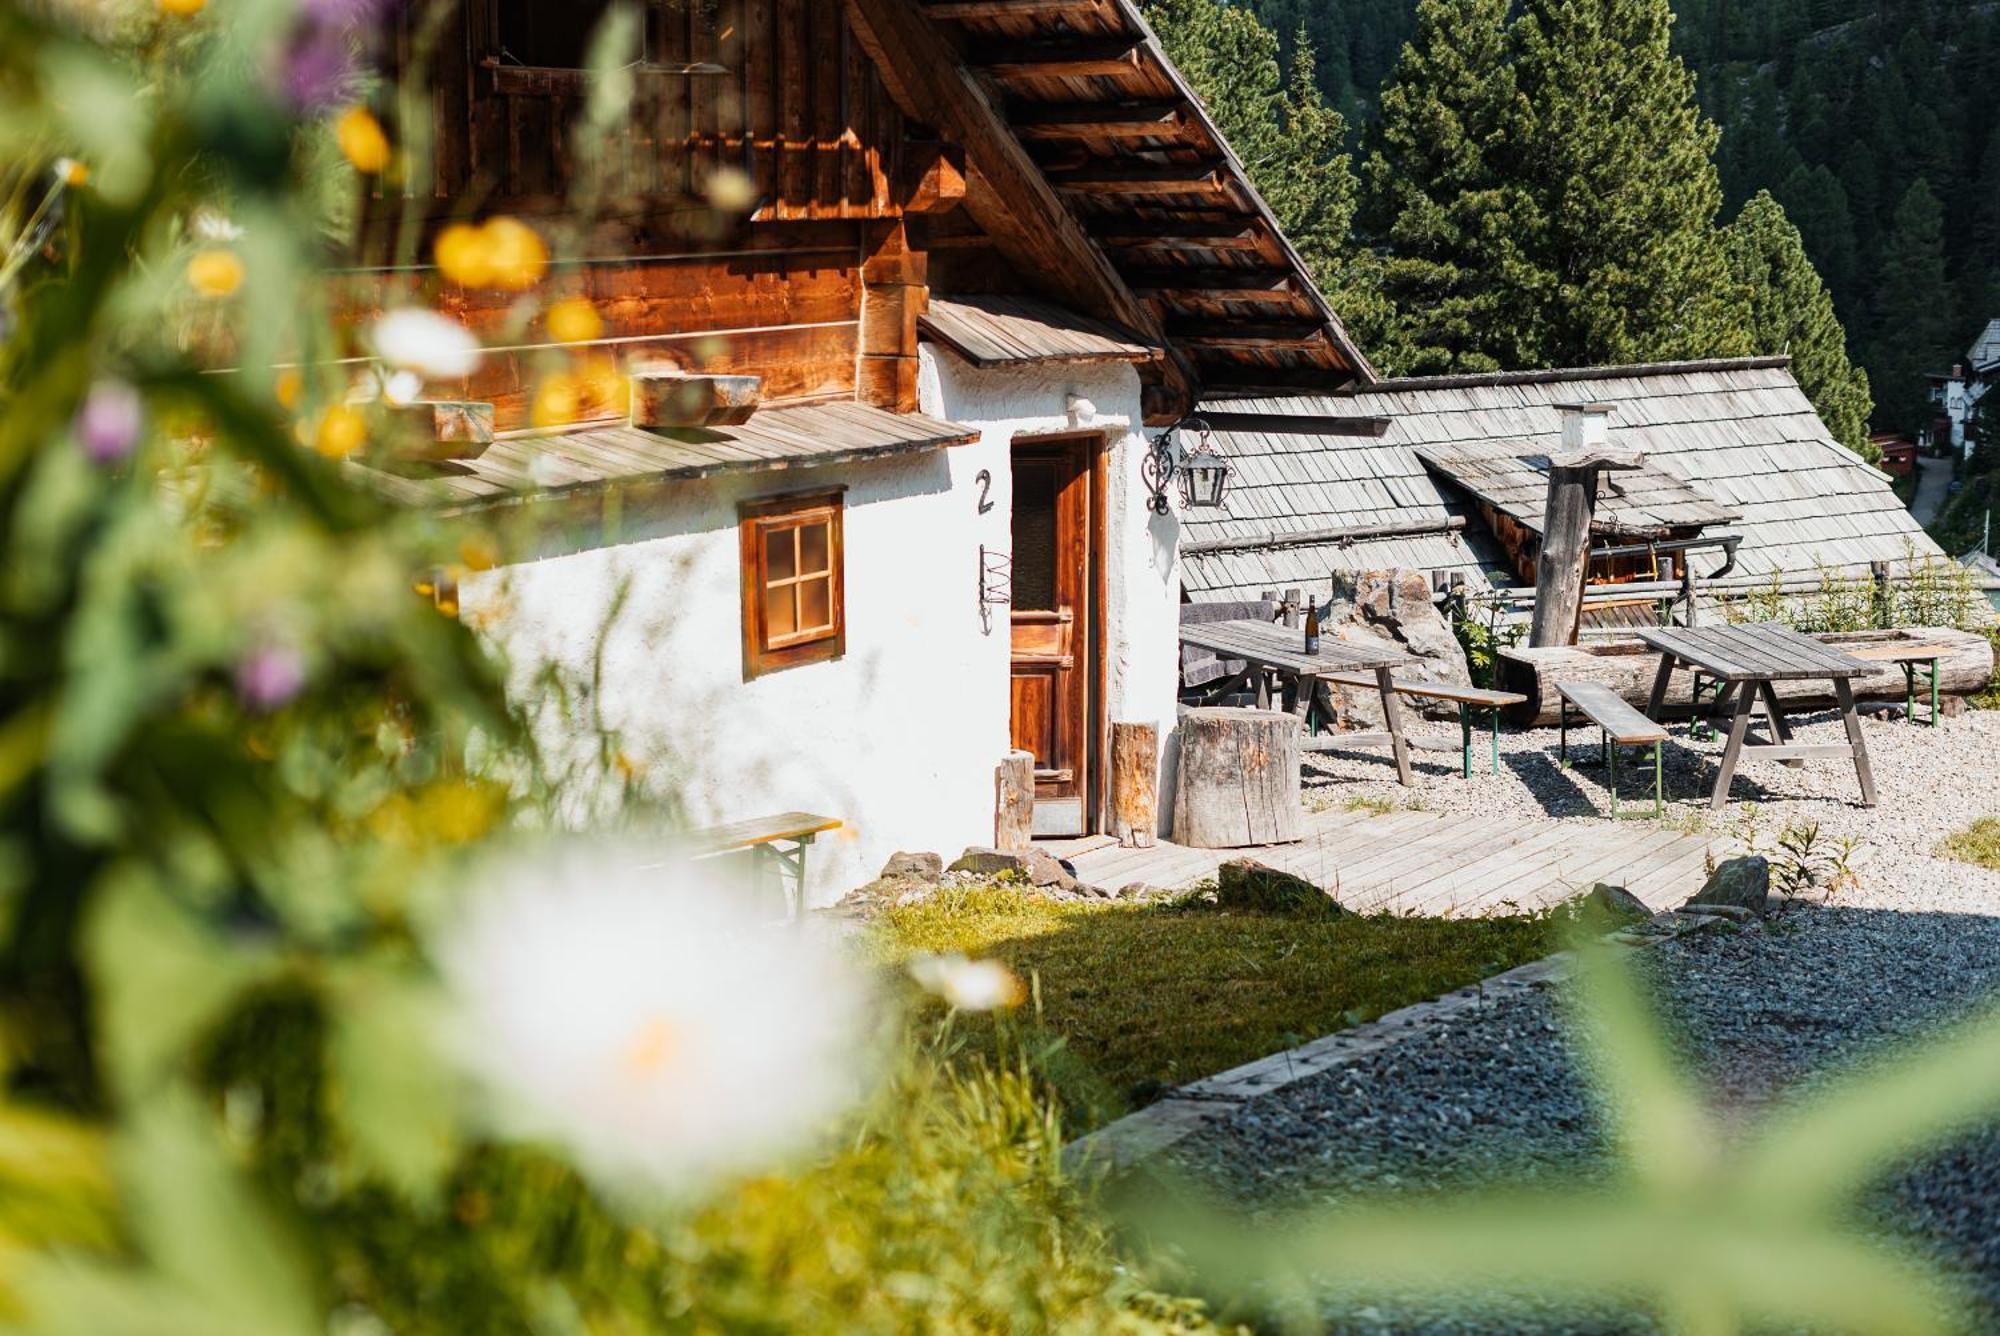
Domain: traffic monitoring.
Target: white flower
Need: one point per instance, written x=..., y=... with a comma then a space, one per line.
x=212, y=226
x=425, y=342
x=649, y=1020
x=968, y=985
x=402, y=387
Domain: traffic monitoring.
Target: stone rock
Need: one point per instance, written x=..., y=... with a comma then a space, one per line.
x=1394, y=606
x=1245, y=883
x=1035, y=866
x=1734, y=913
x=1141, y=890
x=1615, y=903
x=928, y=867
x=1743, y=882
x=1950, y=706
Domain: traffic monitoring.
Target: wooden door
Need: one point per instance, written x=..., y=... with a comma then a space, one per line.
x=1056, y=520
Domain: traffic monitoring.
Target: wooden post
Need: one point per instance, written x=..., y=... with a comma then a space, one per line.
x=1135, y=783
x=1885, y=603
x=1014, y=801
x=1564, y=560
x=1239, y=779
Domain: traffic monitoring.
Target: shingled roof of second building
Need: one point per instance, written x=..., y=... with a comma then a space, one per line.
x=1742, y=432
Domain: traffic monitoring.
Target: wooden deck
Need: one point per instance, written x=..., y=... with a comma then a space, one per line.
x=1434, y=862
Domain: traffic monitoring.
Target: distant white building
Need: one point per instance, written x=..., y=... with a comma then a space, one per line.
x=1959, y=394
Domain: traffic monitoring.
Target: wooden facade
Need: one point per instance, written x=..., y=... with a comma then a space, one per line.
x=795, y=177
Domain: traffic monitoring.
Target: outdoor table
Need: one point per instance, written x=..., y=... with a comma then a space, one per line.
x=1746, y=660
x=1265, y=647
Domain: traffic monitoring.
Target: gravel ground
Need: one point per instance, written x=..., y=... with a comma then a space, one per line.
x=1758, y=1015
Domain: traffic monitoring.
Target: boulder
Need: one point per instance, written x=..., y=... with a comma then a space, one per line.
x=1614, y=903
x=1742, y=882
x=1035, y=866
x=1394, y=606
x=928, y=867
x=1245, y=883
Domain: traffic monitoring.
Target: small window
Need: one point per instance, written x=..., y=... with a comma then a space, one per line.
x=794, y=607
x=546, y=36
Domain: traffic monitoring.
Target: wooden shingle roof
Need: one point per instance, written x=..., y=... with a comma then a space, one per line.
x=1741, y=432
x=1017, y=331
x=550, y=463
x=1645, y=502
x=1114, y=132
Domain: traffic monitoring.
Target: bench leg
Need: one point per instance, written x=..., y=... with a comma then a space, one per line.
x=790, y=865
x=1493, y=717
x=1562, y=747
x=1392, y=714
x=1611, y=772
x=1658, y=697
x=1738, y=726
x=1465, y=740
x=1659, y=782
x=1934, y=677
x=1843, y=693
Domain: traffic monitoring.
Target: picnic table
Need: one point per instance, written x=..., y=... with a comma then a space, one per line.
x=1266, y=648
x=1745, y=660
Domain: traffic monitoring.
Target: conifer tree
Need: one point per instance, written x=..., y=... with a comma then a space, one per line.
x=1439, y=201
x=1913, y=310
x=1618, y=159
x=1789, y=311
x=1290, y=142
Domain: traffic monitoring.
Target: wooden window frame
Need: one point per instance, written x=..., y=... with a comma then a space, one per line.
x=754, y=519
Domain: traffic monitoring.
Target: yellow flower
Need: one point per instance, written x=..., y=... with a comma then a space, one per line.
x=479, y=552
x=603, y=389
x=574, y=321
x=501, y=253
x=516, y=252
x=342, y=430
x=215, y=273
x=461, y=255
x=557, y=401
x=731, y=189
x=71, y=172
x=289, y=387
x=360, y=137
x=182, y=9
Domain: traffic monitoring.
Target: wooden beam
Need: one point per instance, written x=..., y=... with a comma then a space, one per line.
x=1179, y=178
x=1353, y=533
x=1286, y=424
x=1072, y=58
x=1002, y=9
x=1099, y=120
x=1246, y=239
x=1243, y=333
x=1191, y=279
x=1006, y=193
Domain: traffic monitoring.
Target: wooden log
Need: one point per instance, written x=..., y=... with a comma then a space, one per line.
x=1562, y=561
x=1014, y=801
x=1239, y=779
x=666, y=396
x=1135, y=783
x=1628, y=667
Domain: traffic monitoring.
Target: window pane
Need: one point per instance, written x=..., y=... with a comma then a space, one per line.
x=780, y=618
x=780, y=554
x=816, y=604
x=1034, y=535
x=814, y=540
x=534, y=33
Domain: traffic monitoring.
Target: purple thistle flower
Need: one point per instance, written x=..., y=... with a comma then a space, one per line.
x=269, y=676
x=108, y=424
x=317, y=70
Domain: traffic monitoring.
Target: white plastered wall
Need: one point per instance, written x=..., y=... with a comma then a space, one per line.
x=899, y=738
x=1142, y=560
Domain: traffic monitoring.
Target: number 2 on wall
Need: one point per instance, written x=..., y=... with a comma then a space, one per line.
x=985, y=480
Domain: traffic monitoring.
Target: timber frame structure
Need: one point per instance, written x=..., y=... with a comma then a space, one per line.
x=1038, y=149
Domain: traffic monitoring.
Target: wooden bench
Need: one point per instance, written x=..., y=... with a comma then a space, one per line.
x=776, y=842
x=1621, y=726
x=1906, y=656
x=1467, y=699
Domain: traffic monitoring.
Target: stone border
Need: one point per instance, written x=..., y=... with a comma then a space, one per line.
x=1118, y=1146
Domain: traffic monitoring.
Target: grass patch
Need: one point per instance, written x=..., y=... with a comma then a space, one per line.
x=1977, y=843
x=1147, y=997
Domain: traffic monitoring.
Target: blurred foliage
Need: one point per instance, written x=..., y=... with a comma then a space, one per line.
x=1923, y=591
x=242, y=754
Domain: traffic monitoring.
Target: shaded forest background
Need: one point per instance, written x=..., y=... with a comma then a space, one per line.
x=1871, y=125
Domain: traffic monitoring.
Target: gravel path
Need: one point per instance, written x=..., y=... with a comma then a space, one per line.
x=1756, y=1014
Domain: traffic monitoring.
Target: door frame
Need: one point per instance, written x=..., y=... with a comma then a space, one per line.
x=1092, y=451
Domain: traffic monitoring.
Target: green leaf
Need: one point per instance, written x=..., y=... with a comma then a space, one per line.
x=397, y=1095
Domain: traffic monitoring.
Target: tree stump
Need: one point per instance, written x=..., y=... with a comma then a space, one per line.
x=1239, y=779
x=1135, y=783
x=1014, y=801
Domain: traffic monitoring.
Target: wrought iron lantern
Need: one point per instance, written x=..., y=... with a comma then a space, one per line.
x=1203, y=472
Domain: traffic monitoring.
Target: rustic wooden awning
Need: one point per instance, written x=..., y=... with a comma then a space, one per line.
x=1642, y=502
x=991, y=330
x=804, y=436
